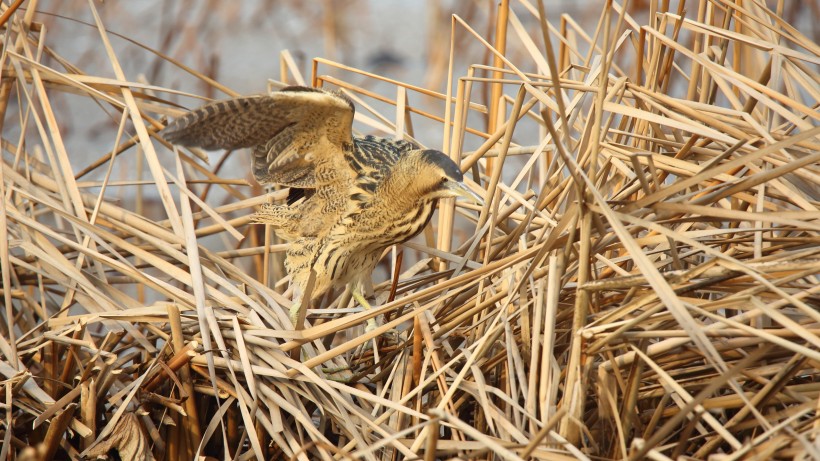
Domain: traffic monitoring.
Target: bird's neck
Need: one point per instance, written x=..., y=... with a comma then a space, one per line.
x=401, y=187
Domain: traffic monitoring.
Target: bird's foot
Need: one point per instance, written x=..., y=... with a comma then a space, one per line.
x=333, y=370
x=371, y=323
x=341, y=374
x=391, y=336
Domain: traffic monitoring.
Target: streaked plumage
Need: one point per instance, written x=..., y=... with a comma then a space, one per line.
x=351, y=197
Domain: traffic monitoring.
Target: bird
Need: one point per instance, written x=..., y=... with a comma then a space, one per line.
x=350, y=197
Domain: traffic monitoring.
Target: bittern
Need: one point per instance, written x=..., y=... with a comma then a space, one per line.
x=351, y=197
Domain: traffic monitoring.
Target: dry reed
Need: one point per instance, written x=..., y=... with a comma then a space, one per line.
x=641, y=282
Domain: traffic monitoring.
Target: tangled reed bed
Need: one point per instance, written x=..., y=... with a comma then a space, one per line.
x=641, y=282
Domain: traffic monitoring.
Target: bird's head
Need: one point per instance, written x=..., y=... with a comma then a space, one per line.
x=439, y=177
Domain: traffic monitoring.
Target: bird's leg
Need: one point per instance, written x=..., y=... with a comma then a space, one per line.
x=301, y=301
x=371, y=323
x=294, y=313
x=357, y=295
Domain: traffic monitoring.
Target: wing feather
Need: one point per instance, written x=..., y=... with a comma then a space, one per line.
x=294, y=133
x=229, y=124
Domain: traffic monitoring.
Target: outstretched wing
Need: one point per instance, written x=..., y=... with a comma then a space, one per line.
x=291, y=132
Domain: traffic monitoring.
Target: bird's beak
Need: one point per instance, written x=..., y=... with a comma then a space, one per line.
x=459, y=189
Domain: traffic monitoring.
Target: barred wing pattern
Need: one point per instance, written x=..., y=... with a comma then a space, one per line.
x=229, y=124
x=299, y=135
